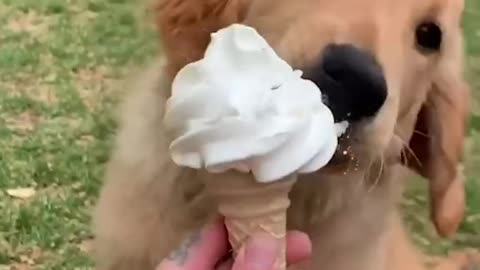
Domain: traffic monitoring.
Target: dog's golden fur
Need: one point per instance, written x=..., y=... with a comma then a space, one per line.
x=148, y=204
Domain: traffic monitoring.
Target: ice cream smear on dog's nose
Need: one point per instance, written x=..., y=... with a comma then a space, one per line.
x=242, y=107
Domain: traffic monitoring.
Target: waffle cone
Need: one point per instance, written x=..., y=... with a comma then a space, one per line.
x=250, y=207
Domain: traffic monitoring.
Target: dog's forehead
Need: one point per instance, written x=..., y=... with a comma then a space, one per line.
x=281, y=16
x=309, y=24
x=346, y=19
x=300, y=29
x=356, y=8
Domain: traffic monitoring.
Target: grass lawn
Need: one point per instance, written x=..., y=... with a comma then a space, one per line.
x=59, y=62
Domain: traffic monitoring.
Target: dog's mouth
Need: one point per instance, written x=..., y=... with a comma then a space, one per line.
x=344, y=154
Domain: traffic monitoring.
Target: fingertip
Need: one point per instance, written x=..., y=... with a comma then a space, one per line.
x=214, y=244
x=299, y=247
x=259, y=253
x=225, y=265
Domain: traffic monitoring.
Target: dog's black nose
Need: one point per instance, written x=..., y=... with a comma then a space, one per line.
x=351, y=80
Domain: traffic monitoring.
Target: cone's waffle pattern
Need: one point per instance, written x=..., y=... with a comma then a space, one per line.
x=251, y=207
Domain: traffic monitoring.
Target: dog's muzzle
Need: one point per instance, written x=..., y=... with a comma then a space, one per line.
x=351, y=80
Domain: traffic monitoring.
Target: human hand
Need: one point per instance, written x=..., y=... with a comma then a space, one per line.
x=207, y=250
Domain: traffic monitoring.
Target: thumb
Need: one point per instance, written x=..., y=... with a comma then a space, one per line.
x=200, y=251
x=259, y=253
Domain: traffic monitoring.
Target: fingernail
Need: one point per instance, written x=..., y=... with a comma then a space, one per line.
x=261, y=252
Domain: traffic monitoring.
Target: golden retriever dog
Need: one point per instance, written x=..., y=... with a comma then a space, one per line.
x=393, y=68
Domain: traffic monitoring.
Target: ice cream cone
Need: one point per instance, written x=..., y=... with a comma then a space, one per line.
x=250, y=207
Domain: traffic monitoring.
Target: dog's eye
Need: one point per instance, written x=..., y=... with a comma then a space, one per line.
x=428, y=37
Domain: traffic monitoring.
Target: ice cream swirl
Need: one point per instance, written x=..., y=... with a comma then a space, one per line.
x=242, y=107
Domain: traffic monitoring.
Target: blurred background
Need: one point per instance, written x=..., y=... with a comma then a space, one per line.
x=60, y=61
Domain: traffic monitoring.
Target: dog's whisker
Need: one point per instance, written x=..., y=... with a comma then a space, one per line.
x=416, y=131
x=406, y=148
x=379, y=174
x=412, y=153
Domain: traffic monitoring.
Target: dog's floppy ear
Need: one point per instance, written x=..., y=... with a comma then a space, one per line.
x=438, y=145
x=439, y=136
x=186, y=25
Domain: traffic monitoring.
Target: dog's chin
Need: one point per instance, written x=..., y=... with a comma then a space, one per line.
x=355, y=150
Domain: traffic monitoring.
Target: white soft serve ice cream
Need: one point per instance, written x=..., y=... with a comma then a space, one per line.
x=242, y=107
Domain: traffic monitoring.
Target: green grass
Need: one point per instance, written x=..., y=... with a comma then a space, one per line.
x=59, y=61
